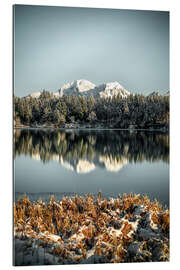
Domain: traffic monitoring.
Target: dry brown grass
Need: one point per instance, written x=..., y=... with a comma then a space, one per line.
x=86, y=223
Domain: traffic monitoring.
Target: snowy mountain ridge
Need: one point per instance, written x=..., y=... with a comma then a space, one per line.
x=86, y=88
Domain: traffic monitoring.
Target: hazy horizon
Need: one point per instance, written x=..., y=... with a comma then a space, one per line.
x=57, y=45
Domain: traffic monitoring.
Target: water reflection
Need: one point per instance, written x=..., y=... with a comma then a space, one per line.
x=83, y=151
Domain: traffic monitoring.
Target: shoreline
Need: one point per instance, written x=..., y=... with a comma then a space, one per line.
x=45, y=196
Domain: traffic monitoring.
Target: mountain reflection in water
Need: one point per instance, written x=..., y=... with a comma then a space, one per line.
x=82, y=151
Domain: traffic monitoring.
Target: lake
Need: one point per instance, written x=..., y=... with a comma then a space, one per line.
x=86, y=161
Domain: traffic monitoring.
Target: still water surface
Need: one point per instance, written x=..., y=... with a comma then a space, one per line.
x=113, y=161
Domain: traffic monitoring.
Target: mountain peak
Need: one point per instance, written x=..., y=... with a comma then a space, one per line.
x=110, y=89
x=111, y=85
x=76, y=86
x=84, y=85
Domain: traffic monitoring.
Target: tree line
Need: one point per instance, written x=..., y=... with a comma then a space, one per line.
x=139, y=110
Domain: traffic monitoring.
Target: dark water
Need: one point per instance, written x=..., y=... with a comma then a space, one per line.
x=85, y=161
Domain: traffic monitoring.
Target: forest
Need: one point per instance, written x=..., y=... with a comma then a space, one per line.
x=136, y=111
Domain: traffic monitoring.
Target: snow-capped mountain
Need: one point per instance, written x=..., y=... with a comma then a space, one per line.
x=86, y=88
x=112, y=89
x=77, y=87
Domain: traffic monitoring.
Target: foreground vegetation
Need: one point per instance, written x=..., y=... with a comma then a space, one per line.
x=77, y=229
x=71, y=111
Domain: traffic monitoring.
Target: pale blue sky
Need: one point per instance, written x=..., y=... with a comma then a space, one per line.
x=56, y=45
